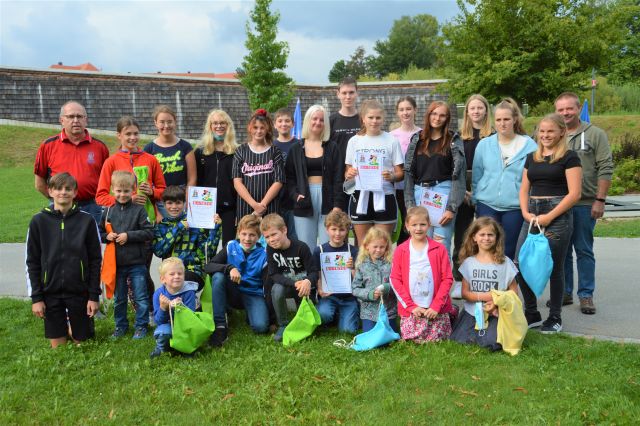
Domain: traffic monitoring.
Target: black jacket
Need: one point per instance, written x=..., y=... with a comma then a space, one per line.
x=63, y=255
x=297, y=182
x=132, y=219
x=216, y=171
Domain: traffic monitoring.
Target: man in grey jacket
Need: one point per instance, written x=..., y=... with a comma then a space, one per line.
x=592, y=146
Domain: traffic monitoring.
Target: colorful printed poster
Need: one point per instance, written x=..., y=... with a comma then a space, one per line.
x=369, y=164
x=336, y=276
x=435, y=203
x=201, y=206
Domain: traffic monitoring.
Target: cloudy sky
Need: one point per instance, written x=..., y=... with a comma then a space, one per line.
x=197, y=36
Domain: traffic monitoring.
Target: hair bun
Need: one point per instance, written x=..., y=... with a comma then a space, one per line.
x=261, y=112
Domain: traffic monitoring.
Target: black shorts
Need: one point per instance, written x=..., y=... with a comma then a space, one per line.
x=386, y=217
x=57, y=309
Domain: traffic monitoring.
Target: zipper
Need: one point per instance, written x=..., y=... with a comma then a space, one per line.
x=81, y=270
x=61, y=249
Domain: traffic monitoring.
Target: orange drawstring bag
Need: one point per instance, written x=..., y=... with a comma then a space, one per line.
x=108, y=272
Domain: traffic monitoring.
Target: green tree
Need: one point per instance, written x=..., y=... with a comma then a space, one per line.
x=263, y=67
x=525, y=49
x=625, y=63
x=412, y=40
x=358, y=65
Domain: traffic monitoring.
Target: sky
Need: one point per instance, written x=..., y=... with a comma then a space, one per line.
x=197, y=36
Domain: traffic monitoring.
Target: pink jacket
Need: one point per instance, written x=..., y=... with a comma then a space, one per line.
x=442, y=278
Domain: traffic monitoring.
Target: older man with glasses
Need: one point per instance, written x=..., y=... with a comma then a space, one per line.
x=73, y=150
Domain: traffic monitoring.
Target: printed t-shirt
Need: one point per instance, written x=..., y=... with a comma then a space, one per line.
x=484, y=277
x=172, y=160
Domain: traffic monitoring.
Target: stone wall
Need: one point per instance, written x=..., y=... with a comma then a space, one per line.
x=36, y=96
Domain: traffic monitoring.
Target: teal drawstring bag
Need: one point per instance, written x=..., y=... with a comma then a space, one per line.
x=380, y=335
x=535, y=261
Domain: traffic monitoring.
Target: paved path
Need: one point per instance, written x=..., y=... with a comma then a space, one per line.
x=617, y=292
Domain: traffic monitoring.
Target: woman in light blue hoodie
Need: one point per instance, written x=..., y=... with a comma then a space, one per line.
x=497, y=172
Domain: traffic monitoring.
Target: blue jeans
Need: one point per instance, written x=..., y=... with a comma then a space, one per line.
x=558, y=234
x=137, y=274
x=347, y=310
x=287, y=215
x=225, y=293
x=92, y=208
x=511, y=221
x=437, y=231
x=582, y=243
x=367, y=325
x=310, y=229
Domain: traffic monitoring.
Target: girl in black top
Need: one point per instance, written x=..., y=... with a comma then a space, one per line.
x=214, y=165
x=551, y=185
x=476, y=124
x=313, y=173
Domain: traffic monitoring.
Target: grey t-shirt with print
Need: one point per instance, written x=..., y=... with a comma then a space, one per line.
x=484, y=277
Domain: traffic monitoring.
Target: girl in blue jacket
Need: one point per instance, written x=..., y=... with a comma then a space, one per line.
x=497, y=172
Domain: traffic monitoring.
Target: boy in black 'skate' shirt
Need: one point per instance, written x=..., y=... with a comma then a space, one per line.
x=291, y=268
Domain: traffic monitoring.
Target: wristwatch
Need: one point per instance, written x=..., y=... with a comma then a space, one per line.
x=602, y=200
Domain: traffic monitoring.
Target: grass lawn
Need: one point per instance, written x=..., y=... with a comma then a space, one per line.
x=618, y=228
x=252, y=380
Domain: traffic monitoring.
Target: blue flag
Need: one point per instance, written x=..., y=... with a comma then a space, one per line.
x=584, y=114
x=297, y=122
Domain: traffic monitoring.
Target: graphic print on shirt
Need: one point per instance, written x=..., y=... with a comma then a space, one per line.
x=170, y=164
x=483, y=280
x=291, y=266
x=250, y=169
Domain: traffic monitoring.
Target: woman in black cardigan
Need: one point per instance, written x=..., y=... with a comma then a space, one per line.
x=313, y=177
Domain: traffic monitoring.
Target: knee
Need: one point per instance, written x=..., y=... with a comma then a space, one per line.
x=261, y=327
x=217, y=279
x=277, y=291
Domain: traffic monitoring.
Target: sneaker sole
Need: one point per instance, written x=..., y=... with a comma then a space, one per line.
x=535, y=324
x=551, y=331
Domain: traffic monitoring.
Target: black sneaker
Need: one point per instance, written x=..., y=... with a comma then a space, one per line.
x=279, y=333
x=156, y=352
x=218, y=337
x=534, y=319
x=567, y=299
x=551, y=326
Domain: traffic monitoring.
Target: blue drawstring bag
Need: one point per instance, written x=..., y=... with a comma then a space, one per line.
x=535, y=261
x=381, y=334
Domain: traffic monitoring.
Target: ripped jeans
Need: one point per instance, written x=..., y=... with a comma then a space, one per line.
x=558, y=234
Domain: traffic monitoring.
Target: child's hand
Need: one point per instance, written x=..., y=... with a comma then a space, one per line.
x=38, y=309
x=217, y=219
x=419, y=312
x=92, y=308
x=176, y=301
x=430, y=314
x=303, y=287
x=122, y=238
x=145, y=188
x=164, y=302
x=139, y=199
x=376, y=294
x=112, y=236
x=351, y=173
x=489, y=306
x=350, y=263
x=185, y=224
x=447, y=217
x=388, y=175
x=234, y=275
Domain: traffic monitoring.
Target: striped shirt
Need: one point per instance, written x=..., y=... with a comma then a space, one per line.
x=258, y=171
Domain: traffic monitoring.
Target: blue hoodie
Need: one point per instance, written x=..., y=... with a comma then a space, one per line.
x=188, y=295
x=494, y=184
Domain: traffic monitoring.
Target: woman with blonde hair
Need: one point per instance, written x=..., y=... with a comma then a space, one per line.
x=214, y=164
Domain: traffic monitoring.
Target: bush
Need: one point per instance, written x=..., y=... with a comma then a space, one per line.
x=630, y=97
x=625, y=146
x=626, y=177
x=542, y=109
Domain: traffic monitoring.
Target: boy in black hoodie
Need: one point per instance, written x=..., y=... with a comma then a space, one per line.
x=131, y=230
x=63, y=265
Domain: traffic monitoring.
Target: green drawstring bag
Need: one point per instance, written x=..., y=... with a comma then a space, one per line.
x=303, y=324
x=189, y=329
x=142, y=175
x=398, y=228
x=206, y=296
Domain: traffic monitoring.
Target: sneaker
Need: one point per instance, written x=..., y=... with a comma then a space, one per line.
x=551, y=326
x=534, y=319
x=567, y=299
x=140, y=333
x=218, y=337
x=99, y=315
x=118, y=333
x=279, y=333
x=156, y=352
x=587, y=306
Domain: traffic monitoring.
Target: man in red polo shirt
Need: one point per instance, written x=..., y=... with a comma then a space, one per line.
x=76, y=152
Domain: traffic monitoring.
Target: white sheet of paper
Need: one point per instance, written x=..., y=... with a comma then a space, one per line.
x=435, y=203
x=201, y=207
x=336, y=276
x=369, y=165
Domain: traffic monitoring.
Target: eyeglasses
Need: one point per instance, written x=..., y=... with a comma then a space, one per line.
x=219, y=124
x=166, y=123
x=74, y=116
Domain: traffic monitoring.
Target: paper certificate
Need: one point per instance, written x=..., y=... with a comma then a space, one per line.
x=435, y=203
x=369, y=164
x=201, y=207
x=336, y=276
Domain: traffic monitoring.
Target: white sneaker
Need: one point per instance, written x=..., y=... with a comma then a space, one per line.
x=456, y=290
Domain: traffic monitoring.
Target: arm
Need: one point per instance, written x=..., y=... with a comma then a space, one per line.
x=192, y=172
x=472, y=296
x=597, y=208
x=159, y=184
x=336, y=175
x=41, y=186
x=94, y=253
x=409, y=183
x=459, y=184
x=164, y=238
x=477, y=171
x=219, y=263
x=243, y=192
x=446, y=279
x=309, y=264
x=574, y=182
x=358, y=288
x=400, y=288
x=272, y=193
x=290, y=176
x=103, y=196
x=212, y=241
x=34, y=264
x=189, y=299
x=278, y=178
x=160, y=316
x=525, y=186
x=144, y=231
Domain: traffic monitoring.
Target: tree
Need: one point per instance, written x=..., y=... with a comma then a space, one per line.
x=263, y=67
x=625, y=63
x=358, y=65
x=412, y=40
x=529, y=50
